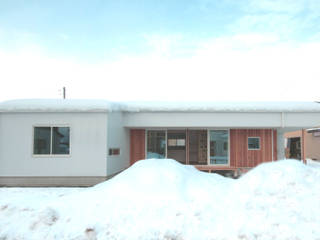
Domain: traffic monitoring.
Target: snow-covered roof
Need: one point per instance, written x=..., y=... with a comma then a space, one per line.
x=57, y=105
x=81, y=105
x=221, y=107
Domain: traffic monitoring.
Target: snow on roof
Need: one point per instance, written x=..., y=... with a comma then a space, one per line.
x=312, y=130
x=221, y=106
x=57, y=105
x=87, y=105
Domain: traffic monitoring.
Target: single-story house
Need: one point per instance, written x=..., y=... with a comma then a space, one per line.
x=83, y=142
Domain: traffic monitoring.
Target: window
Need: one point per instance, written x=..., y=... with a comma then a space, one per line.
x=176, y=148
x=114, y=151
x=253, y=143
x=176, y=140
x=51, y=141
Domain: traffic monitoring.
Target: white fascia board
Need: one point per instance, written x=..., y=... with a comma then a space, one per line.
x=220, y=119
x=302, y=120
x=176, y=119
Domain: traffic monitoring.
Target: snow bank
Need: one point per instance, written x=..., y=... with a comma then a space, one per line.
x=78, y=105
x=313, y=163
x=162, y=199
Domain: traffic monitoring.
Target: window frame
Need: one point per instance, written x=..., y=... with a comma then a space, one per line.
x=254, y=149
x=51, y=126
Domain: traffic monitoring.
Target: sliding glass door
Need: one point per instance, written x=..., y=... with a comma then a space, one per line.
x=219, y=147
x=195, y=147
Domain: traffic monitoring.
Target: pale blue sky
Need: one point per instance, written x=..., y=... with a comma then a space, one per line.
x=164, y=50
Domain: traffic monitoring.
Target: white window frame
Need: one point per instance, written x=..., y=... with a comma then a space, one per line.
x=254, y=149
x=51, y=126
x=208, y=143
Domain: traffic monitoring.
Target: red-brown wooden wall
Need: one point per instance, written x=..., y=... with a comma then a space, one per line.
x=240, y=156
x=137, y=145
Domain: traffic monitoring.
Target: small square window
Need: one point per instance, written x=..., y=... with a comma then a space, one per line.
x=253, y=143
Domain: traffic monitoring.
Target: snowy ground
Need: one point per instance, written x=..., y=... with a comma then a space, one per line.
x=162, y=199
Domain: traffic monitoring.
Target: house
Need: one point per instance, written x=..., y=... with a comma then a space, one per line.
x=303, y=142
x=83, y=142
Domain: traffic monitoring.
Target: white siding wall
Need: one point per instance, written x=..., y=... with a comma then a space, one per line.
x=88, y=135
x=118, y=137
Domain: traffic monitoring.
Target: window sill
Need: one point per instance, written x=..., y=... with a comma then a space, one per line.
x=51, y=155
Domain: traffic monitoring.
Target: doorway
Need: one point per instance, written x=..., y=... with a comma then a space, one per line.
x=294, y=147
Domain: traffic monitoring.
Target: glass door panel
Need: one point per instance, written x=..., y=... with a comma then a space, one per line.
x=219, y=146
x=156, y=144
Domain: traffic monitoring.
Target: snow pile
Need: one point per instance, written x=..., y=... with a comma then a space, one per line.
x=162, y=199
x=313, y=163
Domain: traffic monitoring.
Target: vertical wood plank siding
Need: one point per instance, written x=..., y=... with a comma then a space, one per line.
x=137, y=145
x=303, y=145
x=275, y=144
x=240, y=156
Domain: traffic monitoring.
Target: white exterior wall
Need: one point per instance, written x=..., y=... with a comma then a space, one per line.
x=118, y=137
x=280, y=143
x=88, y=141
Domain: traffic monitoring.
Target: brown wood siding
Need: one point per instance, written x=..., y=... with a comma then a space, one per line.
x=275, y=144
x=137, y=145
x=303, y=146
x=240, y=156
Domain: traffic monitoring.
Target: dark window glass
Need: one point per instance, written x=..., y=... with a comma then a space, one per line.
x=42, y=139
x=253, y=143
x=156, y=144
x=61, y=140
x=114, y=151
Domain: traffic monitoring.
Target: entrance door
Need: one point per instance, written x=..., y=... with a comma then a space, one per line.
x=295, y=148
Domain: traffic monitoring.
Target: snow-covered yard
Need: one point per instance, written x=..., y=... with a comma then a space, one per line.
x=162, y=199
